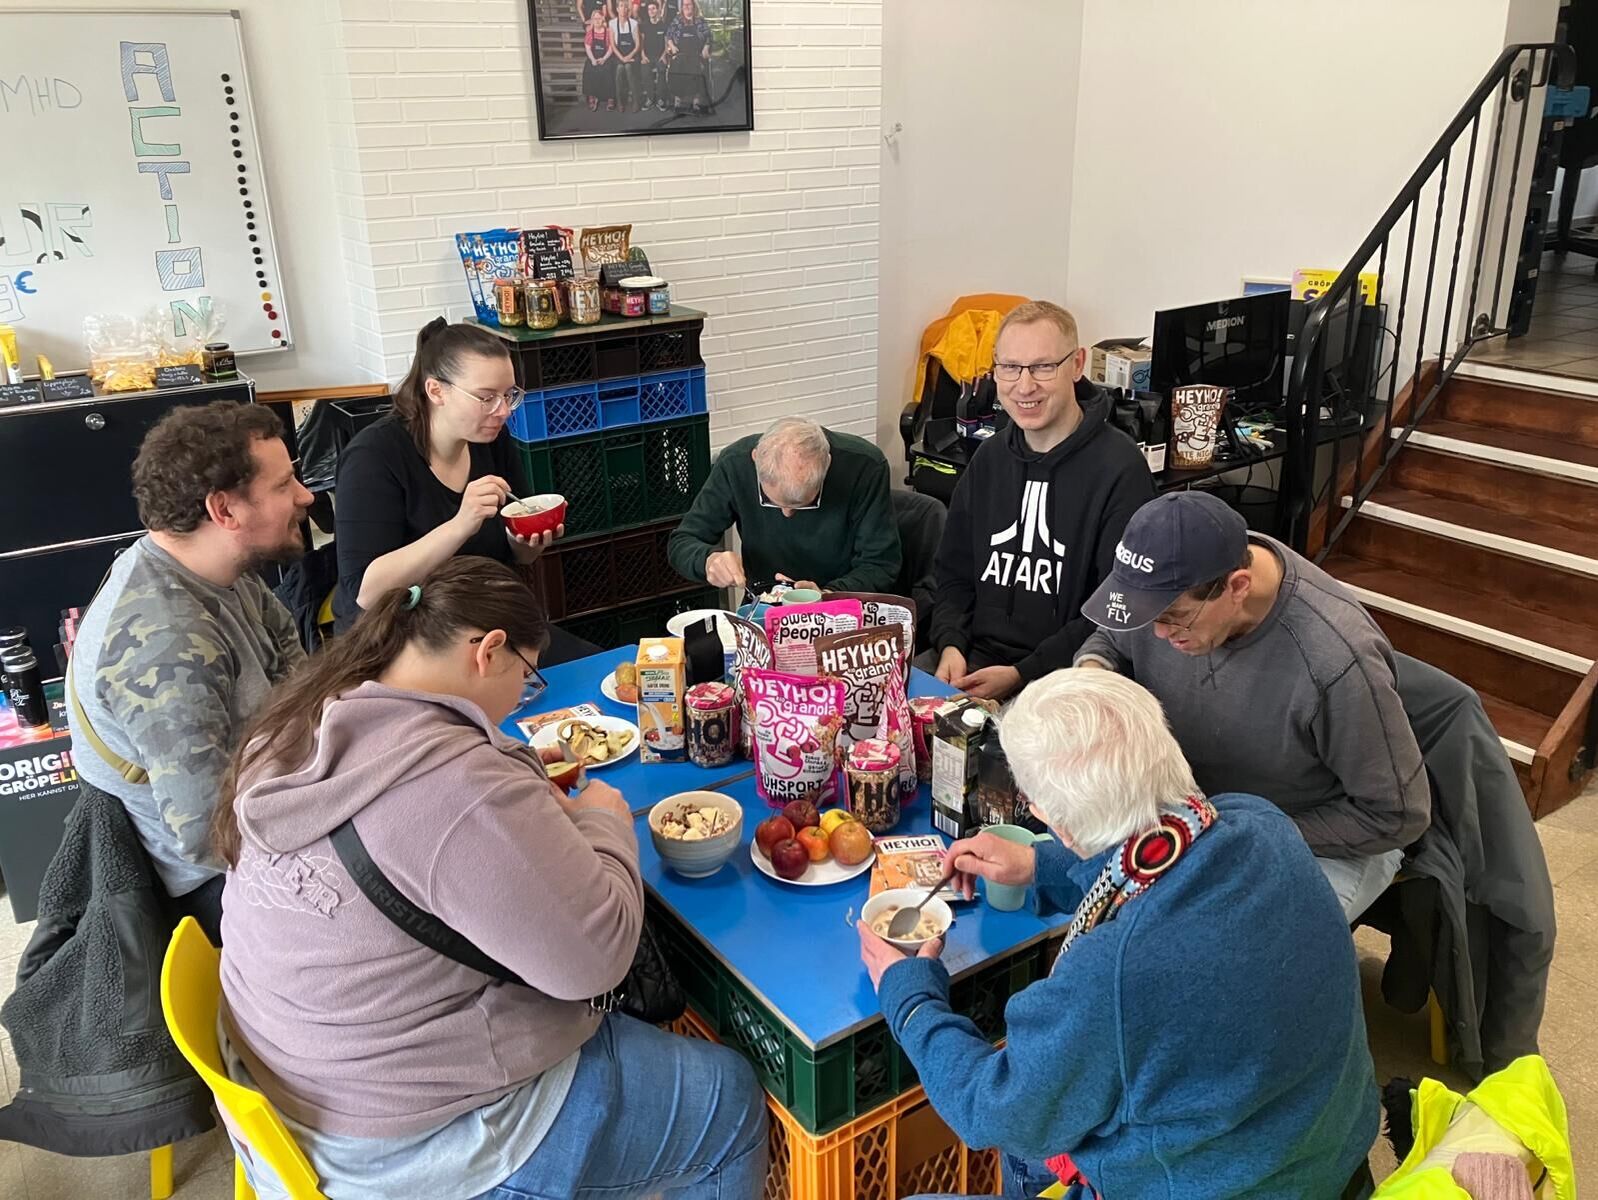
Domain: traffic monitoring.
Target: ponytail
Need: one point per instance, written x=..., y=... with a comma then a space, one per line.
x=441, y=349
x=465, y=593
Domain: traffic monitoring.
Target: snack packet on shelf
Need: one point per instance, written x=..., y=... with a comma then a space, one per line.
x=604, y=244
x=123, y=351
x=797, y=720
x=482, y=303
x=793, y=629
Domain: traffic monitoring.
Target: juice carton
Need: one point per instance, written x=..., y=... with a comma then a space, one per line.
x=662, y=676
x=957, y=735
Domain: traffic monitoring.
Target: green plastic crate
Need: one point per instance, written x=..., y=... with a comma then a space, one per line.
x=623, y=626
x=825, y=1089
x=623, y=479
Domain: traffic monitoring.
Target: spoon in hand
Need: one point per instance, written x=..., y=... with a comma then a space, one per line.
x=905, y=920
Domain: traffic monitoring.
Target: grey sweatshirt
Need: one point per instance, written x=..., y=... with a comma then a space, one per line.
x=348, y=1024
x=1302, y=710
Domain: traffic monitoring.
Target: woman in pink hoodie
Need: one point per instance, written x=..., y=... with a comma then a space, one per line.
x=402, y=1072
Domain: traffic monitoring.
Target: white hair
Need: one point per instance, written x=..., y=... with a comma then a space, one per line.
x=791, y=460
x=1091, y=750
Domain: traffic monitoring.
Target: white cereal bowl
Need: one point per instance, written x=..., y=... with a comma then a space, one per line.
x=937, y=909
x=696, y=859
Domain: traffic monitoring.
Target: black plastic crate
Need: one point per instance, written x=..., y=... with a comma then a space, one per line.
x=619, y=627
x=613, y=348
x=585, y=577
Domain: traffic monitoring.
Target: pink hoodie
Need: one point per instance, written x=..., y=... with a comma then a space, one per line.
x=348, y=1024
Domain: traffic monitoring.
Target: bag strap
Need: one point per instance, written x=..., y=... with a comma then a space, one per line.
x=423, y=926
x=131, y=772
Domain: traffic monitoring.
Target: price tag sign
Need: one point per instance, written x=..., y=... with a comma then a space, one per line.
x=68, y=387
x=547, y=254
x=12, y=394
x=176, y=377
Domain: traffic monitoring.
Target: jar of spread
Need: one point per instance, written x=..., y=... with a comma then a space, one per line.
x=635, y=295
x=218, y=362
x=508, y=304
x=585, y=307
x=873, y=774
x=712, y=724
x=543, y=304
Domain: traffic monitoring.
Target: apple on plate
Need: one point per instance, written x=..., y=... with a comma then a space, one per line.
x=802, y=813
x=814, y=842
x=789, y=859
x=772, y=830
x=850, y=843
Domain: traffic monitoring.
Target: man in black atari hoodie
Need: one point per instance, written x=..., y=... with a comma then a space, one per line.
x=1035, y=519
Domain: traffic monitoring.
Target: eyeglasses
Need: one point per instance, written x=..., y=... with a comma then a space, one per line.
x=511, y=398
x=1193, y=620
x=1042, y=372
x=533, y=683
x=767, y=502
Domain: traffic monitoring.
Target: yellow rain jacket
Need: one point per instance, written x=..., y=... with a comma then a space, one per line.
x=1521, y=1099
x=962, y=339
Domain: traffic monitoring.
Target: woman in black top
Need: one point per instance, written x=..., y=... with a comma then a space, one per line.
x=427, y=482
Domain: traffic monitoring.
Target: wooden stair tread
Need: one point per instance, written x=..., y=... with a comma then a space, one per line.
x=1488, y=520
x=1515, y=723
x=1504, y=439
x=1431, y=592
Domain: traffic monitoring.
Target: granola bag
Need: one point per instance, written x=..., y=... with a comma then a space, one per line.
x=797, y=719
x=881, y=608
x=793, y=629
x=752, y=650
x=863, y=659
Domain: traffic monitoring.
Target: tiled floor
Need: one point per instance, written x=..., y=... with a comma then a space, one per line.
x=1399, y=1043
x=1563, y=339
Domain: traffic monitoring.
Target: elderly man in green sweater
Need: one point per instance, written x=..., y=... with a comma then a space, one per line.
x=811, y=506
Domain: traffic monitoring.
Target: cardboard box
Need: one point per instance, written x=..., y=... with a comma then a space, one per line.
x=1128, y=368
x=1098, y=357
x=662, y=679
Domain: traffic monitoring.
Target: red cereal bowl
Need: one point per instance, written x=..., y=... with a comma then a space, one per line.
x=534, y=515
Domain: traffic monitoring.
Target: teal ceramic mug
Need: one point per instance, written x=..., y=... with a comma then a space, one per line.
x=1003, y=896
x=799, y=596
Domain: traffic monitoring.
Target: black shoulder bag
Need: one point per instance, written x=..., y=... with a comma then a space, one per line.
x=650, y=991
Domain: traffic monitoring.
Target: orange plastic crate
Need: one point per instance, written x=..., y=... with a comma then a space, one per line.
x=900, y=1148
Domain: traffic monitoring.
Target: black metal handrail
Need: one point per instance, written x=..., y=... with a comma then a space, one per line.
x=1311, y=498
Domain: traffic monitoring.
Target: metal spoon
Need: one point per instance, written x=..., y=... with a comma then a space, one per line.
x=905, y=920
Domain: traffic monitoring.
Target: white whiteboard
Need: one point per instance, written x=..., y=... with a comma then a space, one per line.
x=130, y=179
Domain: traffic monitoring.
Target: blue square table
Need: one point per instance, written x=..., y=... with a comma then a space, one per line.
x=774, y=968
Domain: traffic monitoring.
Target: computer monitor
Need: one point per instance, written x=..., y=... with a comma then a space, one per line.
x=1239, y=343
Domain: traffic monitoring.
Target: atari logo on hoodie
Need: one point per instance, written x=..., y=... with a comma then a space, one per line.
x=1033, y=567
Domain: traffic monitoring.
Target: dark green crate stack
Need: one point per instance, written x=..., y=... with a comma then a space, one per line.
x=621, y=485
x=827, y=1088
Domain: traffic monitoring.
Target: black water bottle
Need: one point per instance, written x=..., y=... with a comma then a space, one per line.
x=25, y=688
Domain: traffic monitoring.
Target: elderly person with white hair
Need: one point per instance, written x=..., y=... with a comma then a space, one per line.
x=811, y=507
x=1200, y=1033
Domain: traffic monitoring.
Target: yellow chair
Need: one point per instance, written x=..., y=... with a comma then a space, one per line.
x=191, y=990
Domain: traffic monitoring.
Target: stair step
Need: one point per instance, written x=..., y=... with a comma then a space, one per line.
x=1559, y=416
x=1526, y=493
x=1519, y=729
x=1428, y=600
x=1529, y=452
x=1481, y=526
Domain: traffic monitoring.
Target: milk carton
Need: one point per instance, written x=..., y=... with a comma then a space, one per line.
x=662, y=676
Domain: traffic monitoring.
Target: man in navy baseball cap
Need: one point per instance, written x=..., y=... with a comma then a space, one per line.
x=1174, y=543
x=1274, y=679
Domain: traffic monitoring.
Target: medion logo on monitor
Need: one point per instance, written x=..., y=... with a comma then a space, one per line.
x=1224, y=323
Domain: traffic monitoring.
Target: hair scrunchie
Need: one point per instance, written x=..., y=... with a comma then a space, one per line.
x=415, y=597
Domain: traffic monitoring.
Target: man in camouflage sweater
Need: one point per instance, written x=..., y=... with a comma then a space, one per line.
x=183, y=641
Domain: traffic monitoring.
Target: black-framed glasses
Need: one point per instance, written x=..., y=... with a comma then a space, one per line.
x=1191, y=621
x=767, y=502
x=534, y=684
x=511, y=398
x=1041, y=371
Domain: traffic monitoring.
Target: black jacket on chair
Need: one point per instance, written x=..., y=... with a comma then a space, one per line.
x=1472, y=915
x=100, y=1074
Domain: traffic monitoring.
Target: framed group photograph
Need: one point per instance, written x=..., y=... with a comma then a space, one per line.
x=617, y=68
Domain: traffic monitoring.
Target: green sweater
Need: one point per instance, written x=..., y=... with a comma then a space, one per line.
x=848, y=544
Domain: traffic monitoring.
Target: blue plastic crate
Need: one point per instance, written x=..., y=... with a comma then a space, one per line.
x=671, y=394
x=618, y=403
x=570, y=410
x=526, y=424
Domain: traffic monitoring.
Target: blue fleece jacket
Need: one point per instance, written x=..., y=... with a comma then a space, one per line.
x=1208, y=1041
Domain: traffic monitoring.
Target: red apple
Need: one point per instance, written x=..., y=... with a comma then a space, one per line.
x=771, y=831
x=802, y=813
x=789, y=859
x=549, y=755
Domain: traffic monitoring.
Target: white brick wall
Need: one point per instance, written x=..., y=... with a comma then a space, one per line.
x=773, y=233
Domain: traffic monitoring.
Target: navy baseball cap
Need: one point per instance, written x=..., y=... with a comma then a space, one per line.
x=1173, y=543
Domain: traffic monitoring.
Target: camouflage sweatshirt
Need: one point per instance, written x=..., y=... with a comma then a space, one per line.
x=169, y=669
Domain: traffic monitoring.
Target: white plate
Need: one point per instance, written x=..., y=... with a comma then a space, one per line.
x=548, y=737
x=607, y=687
x=816, y=874
x=729, y=639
